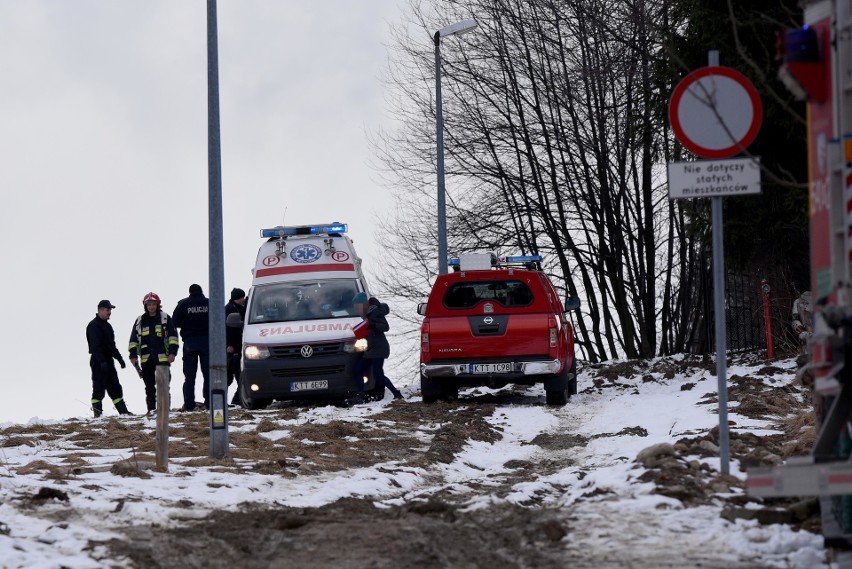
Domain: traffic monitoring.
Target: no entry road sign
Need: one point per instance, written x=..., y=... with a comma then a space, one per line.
x=715, y=112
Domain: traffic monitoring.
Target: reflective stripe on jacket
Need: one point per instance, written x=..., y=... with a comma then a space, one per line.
x=153, y=336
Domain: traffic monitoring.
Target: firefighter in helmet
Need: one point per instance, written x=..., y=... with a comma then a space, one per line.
x=154, y=341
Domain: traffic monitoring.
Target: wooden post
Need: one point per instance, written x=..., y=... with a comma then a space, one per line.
x=162, y=377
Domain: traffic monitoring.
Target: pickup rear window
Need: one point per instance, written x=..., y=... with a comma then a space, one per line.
x=506, y=293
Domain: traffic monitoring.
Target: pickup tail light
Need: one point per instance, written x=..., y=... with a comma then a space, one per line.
x=553, y=332
x=424, y=343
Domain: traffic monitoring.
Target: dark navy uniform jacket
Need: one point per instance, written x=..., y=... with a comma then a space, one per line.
x=234, y=336
x=192, y=316
x=101, y=338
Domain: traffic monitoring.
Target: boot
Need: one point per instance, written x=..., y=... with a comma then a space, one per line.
x=97, y=408
x=121, y=407
x=397, y=394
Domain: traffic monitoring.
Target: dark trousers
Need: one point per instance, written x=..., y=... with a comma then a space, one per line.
x=195, y=349
x=377, y=367
x=234, y=373
x=149, y=374
x=104, y=380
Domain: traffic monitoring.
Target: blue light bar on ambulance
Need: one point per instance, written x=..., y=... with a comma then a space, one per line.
x=289, y=231
x=522, y=259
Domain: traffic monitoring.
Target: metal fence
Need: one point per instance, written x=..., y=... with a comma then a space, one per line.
x=744, y=321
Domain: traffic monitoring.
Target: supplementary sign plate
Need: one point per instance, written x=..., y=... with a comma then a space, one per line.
x=709, y=178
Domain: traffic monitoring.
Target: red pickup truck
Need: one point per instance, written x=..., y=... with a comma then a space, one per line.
x=492, y=322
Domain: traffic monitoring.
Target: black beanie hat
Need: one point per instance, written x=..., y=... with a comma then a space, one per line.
x=237, y=294
x=195, y=289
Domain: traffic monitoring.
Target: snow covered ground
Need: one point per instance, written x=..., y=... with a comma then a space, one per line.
x=68, y=487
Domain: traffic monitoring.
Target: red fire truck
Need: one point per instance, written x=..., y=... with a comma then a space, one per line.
x=818, y=67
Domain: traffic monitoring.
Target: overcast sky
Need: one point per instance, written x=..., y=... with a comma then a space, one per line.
x=103, y=161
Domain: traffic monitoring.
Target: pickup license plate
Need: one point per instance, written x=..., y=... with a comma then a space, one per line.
x=491, y=368
x=308, y=385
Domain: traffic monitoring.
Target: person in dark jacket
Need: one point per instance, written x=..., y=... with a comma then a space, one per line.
x=378, y=348
x=154, y=340
x=234, y=340
x=192, y=317
x=101, y=338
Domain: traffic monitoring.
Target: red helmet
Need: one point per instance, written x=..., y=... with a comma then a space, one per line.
x=151, y=296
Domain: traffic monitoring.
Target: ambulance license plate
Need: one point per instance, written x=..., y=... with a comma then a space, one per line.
x=491, y=368
x=309, y=385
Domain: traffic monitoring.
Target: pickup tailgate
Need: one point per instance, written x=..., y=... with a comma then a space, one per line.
x=489, y=336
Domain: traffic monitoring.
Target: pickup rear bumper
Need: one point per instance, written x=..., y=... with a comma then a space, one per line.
x=519, y=369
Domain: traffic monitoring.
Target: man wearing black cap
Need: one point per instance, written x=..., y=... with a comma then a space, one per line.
x=101, y=338
x=234, y=340
x=192, y=317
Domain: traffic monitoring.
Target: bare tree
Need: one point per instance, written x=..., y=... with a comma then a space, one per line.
x=555, y=145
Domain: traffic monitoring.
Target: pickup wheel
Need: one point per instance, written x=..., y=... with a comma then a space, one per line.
x=561, y=396
x=572, y=383
x=430, y=389
x=557, y=396
x=252, y=403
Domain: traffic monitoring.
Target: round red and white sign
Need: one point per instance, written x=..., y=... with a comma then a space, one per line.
x=271, y=260
x=715, y=112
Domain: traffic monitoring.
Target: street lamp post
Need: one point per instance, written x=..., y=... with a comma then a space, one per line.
x=454, y=29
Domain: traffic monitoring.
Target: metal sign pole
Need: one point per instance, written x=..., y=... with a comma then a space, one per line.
x=439, y=138
x=218, y=380
x=719, y=315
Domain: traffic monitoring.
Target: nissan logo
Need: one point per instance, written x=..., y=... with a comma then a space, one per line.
x=488, y=320
x=307, y=351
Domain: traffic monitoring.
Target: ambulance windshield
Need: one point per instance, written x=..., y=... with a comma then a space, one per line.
x=307, y=300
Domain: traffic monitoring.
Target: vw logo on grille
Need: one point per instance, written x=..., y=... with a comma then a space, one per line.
x=488, y=320
x=307, y=351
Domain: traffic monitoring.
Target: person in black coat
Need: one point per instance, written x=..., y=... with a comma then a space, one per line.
x=101, y=339
x=234, y=340
x=378, y=348
x=192, y=318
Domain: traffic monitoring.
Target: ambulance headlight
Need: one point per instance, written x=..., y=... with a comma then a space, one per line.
x=355, y=346
x=256, y=352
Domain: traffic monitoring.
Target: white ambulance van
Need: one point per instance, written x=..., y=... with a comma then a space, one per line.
x=298, y=342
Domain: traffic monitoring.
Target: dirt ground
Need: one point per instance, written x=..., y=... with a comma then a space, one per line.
x=433, y=531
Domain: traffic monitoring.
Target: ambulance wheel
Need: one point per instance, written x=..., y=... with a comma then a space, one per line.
x=377, y=393
x=253, y=403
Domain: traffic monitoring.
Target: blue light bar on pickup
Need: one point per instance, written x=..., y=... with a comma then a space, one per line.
x=289, y=231
x=522, y=259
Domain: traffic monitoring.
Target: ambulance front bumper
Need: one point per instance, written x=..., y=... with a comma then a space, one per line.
x=275, y=379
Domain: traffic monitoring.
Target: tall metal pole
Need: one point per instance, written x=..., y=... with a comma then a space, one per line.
x=719, y=316
x=442, y=192
x=218, y=381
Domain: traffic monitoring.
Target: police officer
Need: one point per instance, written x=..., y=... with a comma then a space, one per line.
x=193, y=319
x=154, y=340
x=101, y=338
x=234, y=340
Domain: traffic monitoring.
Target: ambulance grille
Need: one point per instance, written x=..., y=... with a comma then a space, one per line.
x=295, y=351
